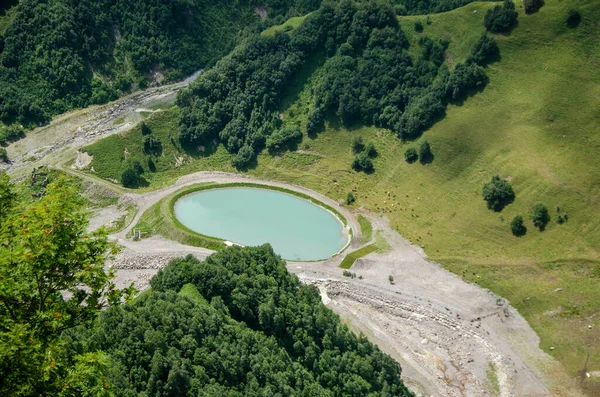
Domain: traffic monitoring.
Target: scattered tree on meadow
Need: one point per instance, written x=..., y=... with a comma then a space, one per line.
x=370, y=150
x=152, y=145
x=498, y=193
x=532, y=6
x=418, y=26
x=350, y=198
x=501, y=18
x=362, y=162
x=517, y=227
x=425, y=154
x=410, y=155
x=358, y=144
x=540, y=216
x=485, y=50
x=145, y=129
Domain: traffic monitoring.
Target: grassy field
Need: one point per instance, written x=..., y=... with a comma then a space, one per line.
x=536, y=123
x=366, y=228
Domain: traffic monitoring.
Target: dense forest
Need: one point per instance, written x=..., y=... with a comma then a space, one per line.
x=59, y=55
x=236, y=324
x=64, y=54
x=368, y=77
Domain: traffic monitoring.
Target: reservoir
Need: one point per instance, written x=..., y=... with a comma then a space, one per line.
x=296, y=228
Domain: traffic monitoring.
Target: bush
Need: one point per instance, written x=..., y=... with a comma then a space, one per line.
x=362, y=162
x=350, y=198
x=357, y=144
x=425, y=152
x=3, y=155
x=532, y=6
x=573, y=18
x=410, y=155
x=418, y=26
x=145, y=129
x=287, y=136
x=517, y=227
x=243, y=157
x=540, y=216
x=498, y=193
x=562, y=218
x=152, y=145
x=391, y=279
x=502, y=18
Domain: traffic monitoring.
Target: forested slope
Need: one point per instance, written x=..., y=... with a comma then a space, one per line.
x=64, y=54
x=368, y=77
x=237, y=324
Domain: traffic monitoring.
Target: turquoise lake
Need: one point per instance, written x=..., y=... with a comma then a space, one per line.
x=296, y=228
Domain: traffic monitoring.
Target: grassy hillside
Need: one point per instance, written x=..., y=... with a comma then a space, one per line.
x=536, y=123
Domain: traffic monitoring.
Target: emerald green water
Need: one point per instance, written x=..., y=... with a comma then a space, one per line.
x=296, y=228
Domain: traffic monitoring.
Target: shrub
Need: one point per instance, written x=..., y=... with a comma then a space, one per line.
x=410, y=155
x=498, y=193
x=562, y=218
x=370, y=150
x=286, y=136
x=517, y=227
x=152, y=145
x=362, y=162
x=3, y=155
x=425, y=152
x=391, y=279
x=145, y=129
x=502, y=18
x=350, y=198
x=573, y=18
x=540, y=216
x=532, y=6
x=418, y=26
x=357, y=144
